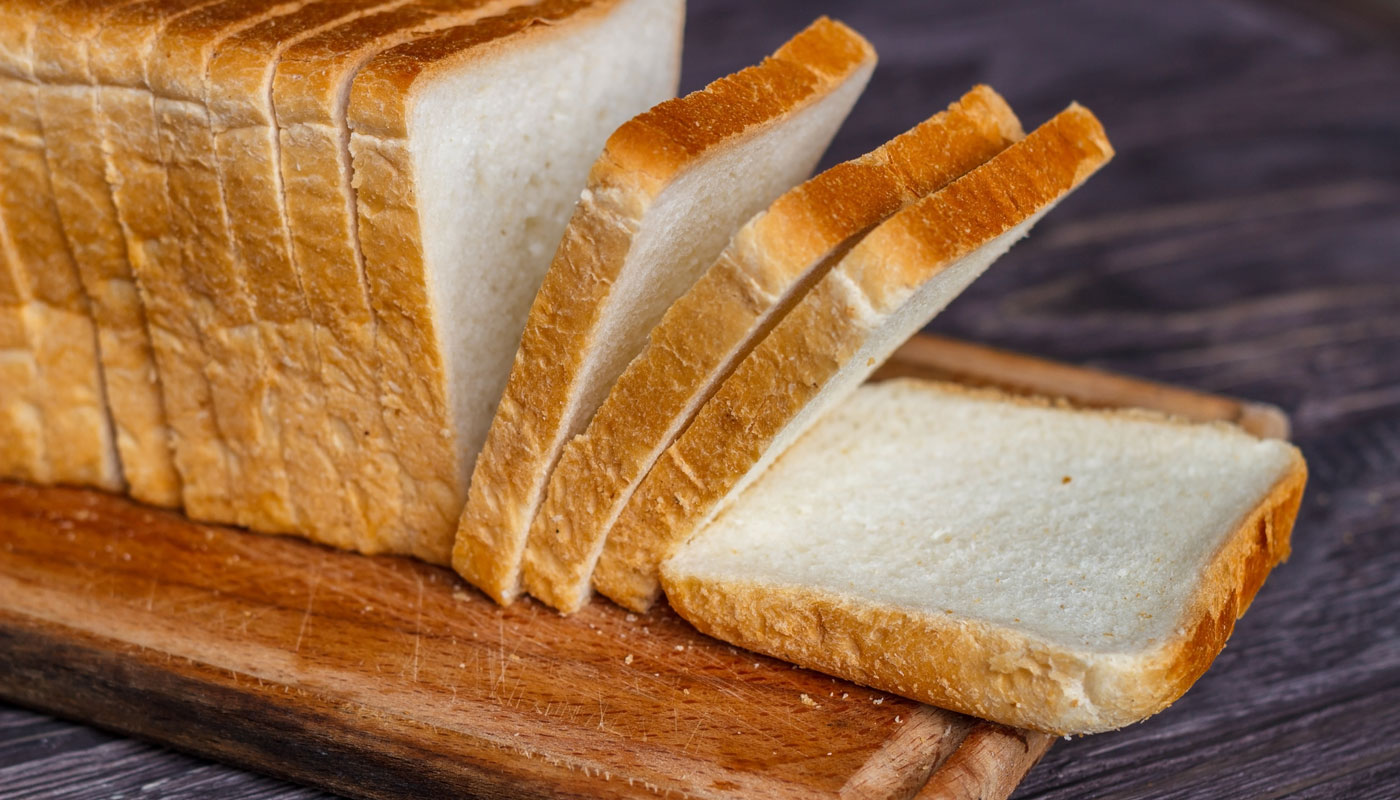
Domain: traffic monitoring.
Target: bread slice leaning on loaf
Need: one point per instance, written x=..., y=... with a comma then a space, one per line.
x=662, y=200
x=73, y=145
x=469, y=149
x=765, y=268
x=890, y=285
x=78, y=439
x=310, y=94
x=1045, y=567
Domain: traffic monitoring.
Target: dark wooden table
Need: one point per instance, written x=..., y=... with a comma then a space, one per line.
x=1245, y=241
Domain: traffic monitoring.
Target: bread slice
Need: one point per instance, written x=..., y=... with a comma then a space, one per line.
x=22, y=453
x=317, y=448
x=1044, y=567
x=310, y=92
x=139, y=188
x=77, y=430
x=773, y=259
x=890, y=285
x=73, y=145
x=469, y=149
x=670, y=188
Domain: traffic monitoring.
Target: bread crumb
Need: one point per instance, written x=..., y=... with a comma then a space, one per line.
x=460, y=595
x=680, y=647
x=877, y=701
x=462, y=665
x=898, y=718
x=809, y=702
x=628, y=659
x=1065, y=479
x=631, y=617
x=844, y=695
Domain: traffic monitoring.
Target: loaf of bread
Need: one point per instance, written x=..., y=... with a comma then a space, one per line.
x=1050, y=568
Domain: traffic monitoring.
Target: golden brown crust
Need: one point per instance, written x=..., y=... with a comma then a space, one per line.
x=93, y=235
x=317, y=448
x=139, y=189
x=639, y=160
x=78, y=436
x=811, y=345
x=704, y=332
x=993, y=672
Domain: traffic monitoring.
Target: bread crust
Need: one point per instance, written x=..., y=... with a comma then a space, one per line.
x=139, y=191
x=78, y=436
x=22, y=453
x=318, y=447
x=734, y=430
x=311, y=93
x=253, y=397
x=990, y=670
x=68, y=111
x=714, y=324
x=639, y=161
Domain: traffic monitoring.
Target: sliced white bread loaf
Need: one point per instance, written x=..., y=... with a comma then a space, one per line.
x=22, y=453
x=139, y=189
x=78, y=438
x=310, y=93
x=662, y=200
x=73, y=145
x=1050, y=568
x=888, y=286
x=315, y=446
x=469, y=149
x=767, y=266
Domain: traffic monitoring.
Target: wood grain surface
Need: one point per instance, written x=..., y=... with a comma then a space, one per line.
x=386, y=678
x=1244, y=241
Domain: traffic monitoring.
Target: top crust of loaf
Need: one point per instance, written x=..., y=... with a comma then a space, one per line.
x=989, y=670
x=118, y=53
x=310, y=72
x=650, y=149
x=386, y=88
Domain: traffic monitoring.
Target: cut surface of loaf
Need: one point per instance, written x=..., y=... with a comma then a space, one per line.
x=1064, y=570
x=78, y=440
x=469, y=149
x=664, y=197
x=883, y=291
x=763, y=270
x=139, y=188
x=310, y=93
x=67, y=109
x=244, y=135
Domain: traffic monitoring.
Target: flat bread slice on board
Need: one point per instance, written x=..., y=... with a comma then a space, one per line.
x=1044, y=567
x=763, y=271
x=890, y=285
x=469, y=149
x=662, y=200
x=73, y=145
x=78, y=438
x=139, y=190
x=310, y=94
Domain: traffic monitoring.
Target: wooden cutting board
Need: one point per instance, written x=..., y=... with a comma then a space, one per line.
x=386, y=678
